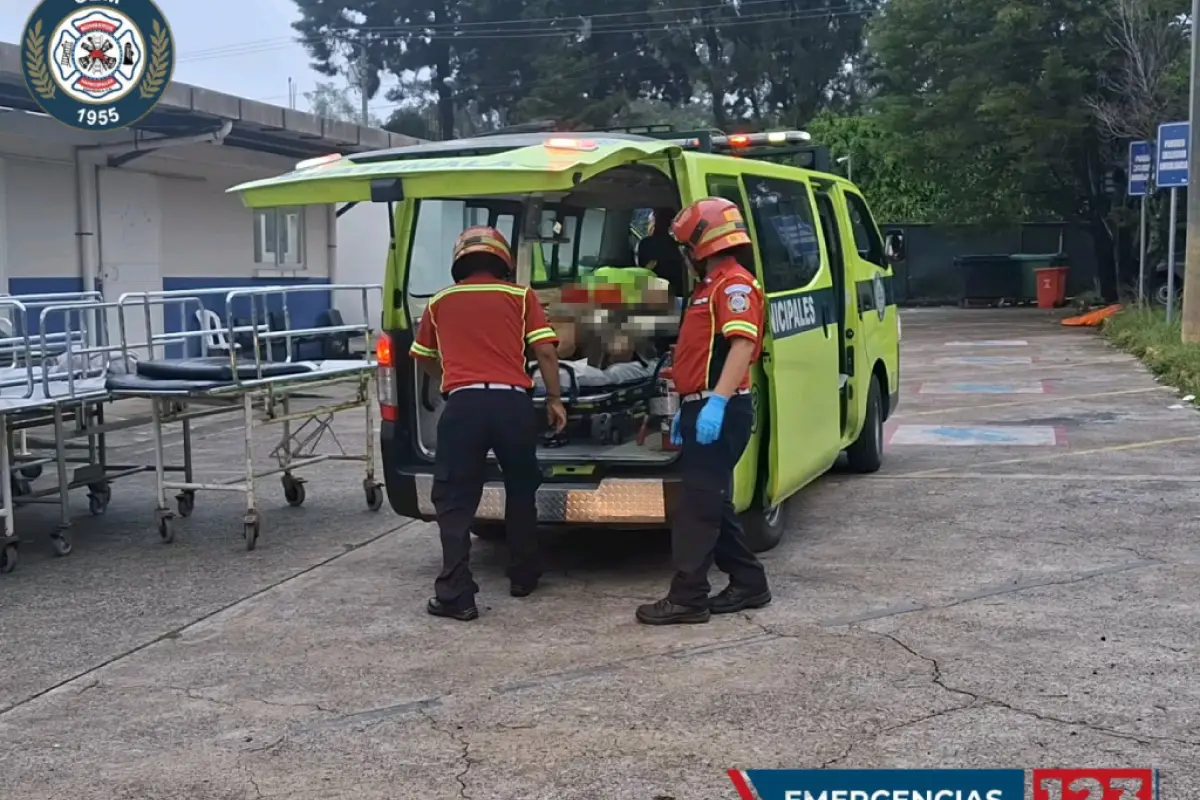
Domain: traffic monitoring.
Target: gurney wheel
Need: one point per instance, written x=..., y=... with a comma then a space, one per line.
x=62, y=544
x=250, y=532
x=99, y=496
x=185, y=503
x=33, y=472
x=8, y=559
x=293, y=491
x=166, y=530
x=374, y=497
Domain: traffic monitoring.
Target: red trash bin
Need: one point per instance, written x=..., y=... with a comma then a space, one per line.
x=1051, y=286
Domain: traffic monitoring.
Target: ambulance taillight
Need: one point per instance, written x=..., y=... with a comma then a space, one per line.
x=386, y=371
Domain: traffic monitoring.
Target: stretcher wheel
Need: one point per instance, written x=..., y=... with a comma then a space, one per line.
x=8, y=559
x=374, y=497
x=250, y=532
x=293, y=491
x=185, y=503
x=166, y=530
x=99, y=496
x=62, y=544
x=32, y=473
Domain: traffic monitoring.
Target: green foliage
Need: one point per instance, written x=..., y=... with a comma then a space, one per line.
x=1145, y=333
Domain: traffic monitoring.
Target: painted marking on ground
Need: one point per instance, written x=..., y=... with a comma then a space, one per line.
x=1037, y=387
x=959, y=409
x=991, y=343
x=984, y=361
x=977, y=435
x=1116, y=448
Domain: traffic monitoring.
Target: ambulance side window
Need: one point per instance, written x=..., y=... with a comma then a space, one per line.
x=727, y=188
x=787, y=235
x=866, y=235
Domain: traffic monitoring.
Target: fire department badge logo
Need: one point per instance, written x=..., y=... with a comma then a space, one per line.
x=97, y=64
x=880, y=292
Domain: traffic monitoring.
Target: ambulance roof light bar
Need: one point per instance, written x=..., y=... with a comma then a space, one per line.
x=309, y=163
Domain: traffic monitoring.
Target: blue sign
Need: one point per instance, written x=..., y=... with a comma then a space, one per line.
x=883, y=784
x=1172, y=169
x=1141, y=168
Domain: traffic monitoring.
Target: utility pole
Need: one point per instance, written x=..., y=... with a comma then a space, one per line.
x=1191, y=281
x=362, y=87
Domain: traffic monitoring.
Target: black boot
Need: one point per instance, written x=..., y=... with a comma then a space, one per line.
x=733, y=599
x=464, y=613
x=523, y=589
x=664, y=612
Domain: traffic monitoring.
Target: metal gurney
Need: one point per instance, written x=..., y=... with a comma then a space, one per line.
x=603, y=406
x=186, y=387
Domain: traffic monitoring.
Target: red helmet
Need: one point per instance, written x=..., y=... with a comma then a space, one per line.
x=482, y=239
x=710, y=226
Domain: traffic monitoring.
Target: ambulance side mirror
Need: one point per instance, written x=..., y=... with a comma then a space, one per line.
x=893, y=246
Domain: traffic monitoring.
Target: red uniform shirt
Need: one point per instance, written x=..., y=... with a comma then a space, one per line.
x=727, y=304
x=479, y=329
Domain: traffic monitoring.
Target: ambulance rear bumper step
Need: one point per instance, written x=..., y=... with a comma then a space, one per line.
x=634, y=501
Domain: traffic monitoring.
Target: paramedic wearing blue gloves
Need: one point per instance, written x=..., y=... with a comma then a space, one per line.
x=719, y=339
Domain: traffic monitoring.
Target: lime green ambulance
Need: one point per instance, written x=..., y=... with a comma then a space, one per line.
x=829, y=374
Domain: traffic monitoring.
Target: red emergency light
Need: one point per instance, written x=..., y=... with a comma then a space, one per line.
x=563, y=143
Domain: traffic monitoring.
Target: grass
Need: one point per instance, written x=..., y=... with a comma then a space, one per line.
x=1145, y=333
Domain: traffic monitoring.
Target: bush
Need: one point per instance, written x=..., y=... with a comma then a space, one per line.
x=1145, y=333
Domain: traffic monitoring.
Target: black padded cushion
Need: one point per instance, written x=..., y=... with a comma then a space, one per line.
x=214, y=369
x=138, y=385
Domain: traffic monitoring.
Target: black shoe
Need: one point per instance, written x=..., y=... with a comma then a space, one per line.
x=733, y=599
x=664, y=612
x=462, y=613
x=522, y=589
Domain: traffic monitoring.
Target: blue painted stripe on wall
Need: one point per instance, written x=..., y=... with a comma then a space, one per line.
x=303, y=307
x=55, y=322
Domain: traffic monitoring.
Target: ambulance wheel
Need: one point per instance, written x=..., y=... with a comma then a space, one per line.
x=764, y=526
x=489, y=531
x=866, y=454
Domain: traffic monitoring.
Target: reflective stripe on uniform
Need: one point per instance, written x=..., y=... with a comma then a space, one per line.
x=534, y=337
x=422, y=350
x=740, y=326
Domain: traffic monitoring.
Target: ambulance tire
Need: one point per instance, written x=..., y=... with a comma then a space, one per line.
x=764, y=527
x=489, y=531
x=866, y=454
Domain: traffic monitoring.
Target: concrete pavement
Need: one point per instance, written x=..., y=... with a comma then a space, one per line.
x=1017, y=588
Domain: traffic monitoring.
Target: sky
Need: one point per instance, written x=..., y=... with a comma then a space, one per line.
x=240, y=47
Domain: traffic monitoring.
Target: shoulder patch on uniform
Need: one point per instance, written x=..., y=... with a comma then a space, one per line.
x=738, y=288
x=738, y=303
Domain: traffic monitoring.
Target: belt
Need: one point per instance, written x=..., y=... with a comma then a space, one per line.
x=501, y=386
x=687, y=398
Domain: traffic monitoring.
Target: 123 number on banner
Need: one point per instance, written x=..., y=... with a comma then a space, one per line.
x=1093, y=784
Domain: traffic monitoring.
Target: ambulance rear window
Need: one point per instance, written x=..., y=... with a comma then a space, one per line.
x=437, y=226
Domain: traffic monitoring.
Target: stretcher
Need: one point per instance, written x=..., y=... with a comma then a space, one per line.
x=184, y=389
x=603, y=406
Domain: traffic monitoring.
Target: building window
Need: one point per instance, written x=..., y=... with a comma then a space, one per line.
x=279, y=237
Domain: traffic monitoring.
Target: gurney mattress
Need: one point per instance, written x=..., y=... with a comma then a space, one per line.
x=215, y=369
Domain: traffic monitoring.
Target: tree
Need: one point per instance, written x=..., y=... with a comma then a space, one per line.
x=1015, y=139
x=337, y=102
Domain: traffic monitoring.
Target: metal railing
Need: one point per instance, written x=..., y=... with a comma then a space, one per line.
x=258, y=327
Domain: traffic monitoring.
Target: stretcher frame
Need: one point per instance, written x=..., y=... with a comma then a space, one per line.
x=56, y=400
x=261, y=399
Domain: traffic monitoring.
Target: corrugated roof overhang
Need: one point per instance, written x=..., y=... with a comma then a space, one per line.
x=262, y=127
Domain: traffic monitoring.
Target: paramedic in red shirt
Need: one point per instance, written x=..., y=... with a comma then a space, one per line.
x=479, y=329
x=719, y=339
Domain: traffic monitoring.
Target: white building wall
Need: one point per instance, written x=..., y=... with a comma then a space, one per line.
x=204, y=235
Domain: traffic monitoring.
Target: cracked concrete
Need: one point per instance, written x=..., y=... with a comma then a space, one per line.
x=965, y=607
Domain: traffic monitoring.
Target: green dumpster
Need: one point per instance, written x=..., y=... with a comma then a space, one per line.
x=1029, y=262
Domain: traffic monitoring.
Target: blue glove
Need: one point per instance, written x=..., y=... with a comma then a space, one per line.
x=708, y=424
x=676, y=436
